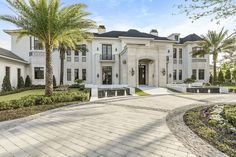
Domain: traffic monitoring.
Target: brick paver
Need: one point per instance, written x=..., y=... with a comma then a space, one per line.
x=127, y=127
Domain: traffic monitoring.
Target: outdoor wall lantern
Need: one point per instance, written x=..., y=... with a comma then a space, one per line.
x=116, y=49
x=117, y=75
x=132, y=72
x=153, y=75
x=170, y=75
x=97, y=75
x=97, y=48
x=163, y=72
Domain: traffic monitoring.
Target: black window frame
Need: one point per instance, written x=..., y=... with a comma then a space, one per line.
x=175, y=75
x=194, y=73
x=8, y=71
x=180, y=74
x=68, y=74
x=76, y=74
x=37, y=44
x=180, y=53
x=106, y=54
x=38, y=73
x=201, y=74
x=174, y=53
x=84, y=73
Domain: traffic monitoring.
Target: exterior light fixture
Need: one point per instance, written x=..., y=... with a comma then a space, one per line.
x=97, y=48
x=163, y=72
x=170, y=75
x=132, y=72
x=116, y=49
x=97, y=75
x=117, y=75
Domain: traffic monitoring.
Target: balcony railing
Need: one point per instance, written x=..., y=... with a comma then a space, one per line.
x=107, y=57
x=199, y=60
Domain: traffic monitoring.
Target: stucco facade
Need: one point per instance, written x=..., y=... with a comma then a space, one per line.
x=129, y=58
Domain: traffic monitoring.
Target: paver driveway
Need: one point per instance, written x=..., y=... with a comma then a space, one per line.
x=132, y=127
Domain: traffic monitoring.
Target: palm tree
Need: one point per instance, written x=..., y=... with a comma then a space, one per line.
x=50, y=23
x=215, y=43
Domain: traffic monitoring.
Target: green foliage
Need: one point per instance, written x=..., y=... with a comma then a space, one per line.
x=78, y=81
x=43, y=100
x=140, y=92
x=189, y=81
x=28, y=82
x=228, y=75
x=193, y=77
x=221, y=77
x=54, y=81
x=20, y=82
x=229, y=113
x=211, y=79
x=6, y=85
x=234, y=74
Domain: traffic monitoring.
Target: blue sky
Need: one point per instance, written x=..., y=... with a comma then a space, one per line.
x=143, y=15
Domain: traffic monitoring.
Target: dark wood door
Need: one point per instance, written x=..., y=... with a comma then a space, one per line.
x=142, y=74
x=107, y=75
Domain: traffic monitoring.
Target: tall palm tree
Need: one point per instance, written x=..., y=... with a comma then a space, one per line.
x=50, y=23
x=215, y=43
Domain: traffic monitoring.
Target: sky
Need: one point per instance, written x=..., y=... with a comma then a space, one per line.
x=142, y=15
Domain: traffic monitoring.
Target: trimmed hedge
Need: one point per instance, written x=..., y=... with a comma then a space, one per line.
x=22, y=90
x=43, y=100
x=229, y=113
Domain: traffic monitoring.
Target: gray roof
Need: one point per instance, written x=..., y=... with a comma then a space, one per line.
x=191, y=37
x=9, y=54
x=129, y=33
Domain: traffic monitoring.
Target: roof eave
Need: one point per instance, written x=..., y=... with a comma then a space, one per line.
x=25, y=62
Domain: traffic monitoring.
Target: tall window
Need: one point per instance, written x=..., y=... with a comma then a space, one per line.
x=68, y=74
x=174, y=53
x=194, y=74
x=106, y=52
x=174, y=75
x=76, y=56
x=176, y=37
x=82, y=48
x=38, y=72
x=7, y=72
x=68, y=52
x=84, y=74
x=18, y=73
x=180, y=53
x=37, y=44
x=180, y=74
x=201, y=74
x=76, y=74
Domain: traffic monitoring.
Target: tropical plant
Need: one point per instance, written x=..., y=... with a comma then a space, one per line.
x=189, y=81
x=51, y=23
x=28, y=82
x=221, y=77
x=6, y=85
x=234, y=75
x=228, y=75
x=215, y=43
x=211, y=79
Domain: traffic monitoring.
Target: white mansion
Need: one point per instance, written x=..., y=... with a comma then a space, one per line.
x=130, y=58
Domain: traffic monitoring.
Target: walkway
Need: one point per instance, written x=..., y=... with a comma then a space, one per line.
x=122, y=127
x=154, y=90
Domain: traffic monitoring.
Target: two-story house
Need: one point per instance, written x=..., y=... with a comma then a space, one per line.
x=130, y=58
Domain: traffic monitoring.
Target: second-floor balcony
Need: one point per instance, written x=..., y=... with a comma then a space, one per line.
x=199, y=60
x=107, y=58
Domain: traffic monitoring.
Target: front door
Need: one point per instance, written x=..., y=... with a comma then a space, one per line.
x=142, y=74
x=107, y=75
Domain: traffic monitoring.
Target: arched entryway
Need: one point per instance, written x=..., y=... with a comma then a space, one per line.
x=145, y=72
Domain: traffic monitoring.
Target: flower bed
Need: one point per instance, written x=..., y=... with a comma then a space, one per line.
x=214, y=125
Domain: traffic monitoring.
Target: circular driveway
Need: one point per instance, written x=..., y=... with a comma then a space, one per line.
x=121, y=127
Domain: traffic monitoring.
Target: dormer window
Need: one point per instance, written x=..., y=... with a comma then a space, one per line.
x=176, y=37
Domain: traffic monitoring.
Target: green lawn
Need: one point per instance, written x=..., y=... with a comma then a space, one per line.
x=21, y=94
x=140, y=92
x=231, y=87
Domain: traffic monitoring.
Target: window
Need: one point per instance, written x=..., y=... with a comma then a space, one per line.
x=76, y=74
x=201, y=74
x=194, y=74
x=37, y=44
x=68, y=74
x=174, y=53
x=39, y=73
x=82, y=48
x=30, y=43
x=7, y=72
x=83, y=59
x=180, y=53
x=176, y=37
x=180, y=74
x=68, y=52
x=174, y=75
x=106, y=52
x=84, y=74
x=195, y=49
x=76, y=56
x=18, y=73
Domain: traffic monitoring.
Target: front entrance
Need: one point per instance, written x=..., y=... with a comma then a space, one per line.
x=142, y=74
x=107, y=75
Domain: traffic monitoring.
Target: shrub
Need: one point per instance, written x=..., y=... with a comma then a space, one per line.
x=28, y=82
x=234, y=75
x=20, y=82
x=189, y=81
x=211, y=79
x=54, y=81
x=43, y=100
x=6, y=85
x=193, y=77
x=221, y=77
x=228, y=75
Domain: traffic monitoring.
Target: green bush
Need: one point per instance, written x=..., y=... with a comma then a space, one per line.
x=6, y=85
x=221, y=77
x=211, y=79
x=189, y=81
x=228, y=75
x=28, y=82
x=43, y=100
x=229, y=113
x=20, y=83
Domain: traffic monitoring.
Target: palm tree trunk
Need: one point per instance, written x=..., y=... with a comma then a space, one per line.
x=62, y=57
x=49, y=70
x=214, y=72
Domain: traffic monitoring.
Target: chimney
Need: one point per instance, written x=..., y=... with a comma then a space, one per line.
x=154, y=32
x=101, y=29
